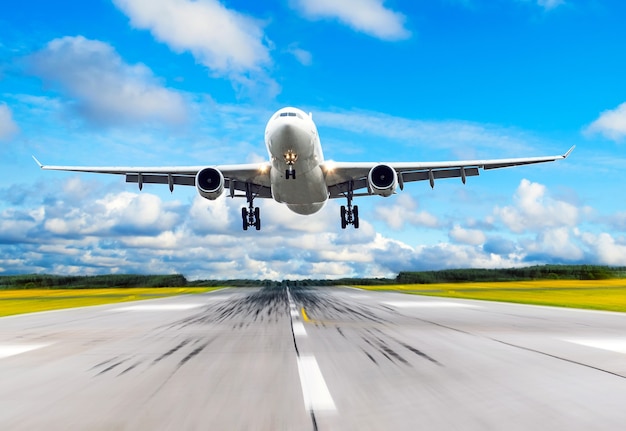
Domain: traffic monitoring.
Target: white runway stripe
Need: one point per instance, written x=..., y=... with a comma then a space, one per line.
x=7, y=350
x=314, y=389
x=615, y=345
x=158, y=307
x=298, y=329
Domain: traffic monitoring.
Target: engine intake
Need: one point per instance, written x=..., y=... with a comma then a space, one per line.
x=210, y=183
x=382, y=180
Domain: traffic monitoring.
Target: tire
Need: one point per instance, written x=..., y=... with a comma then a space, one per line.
x=343, y=217
x=257, y=218
x=355, y=214
x=244, y=217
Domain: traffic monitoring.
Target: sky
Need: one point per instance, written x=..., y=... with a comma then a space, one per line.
x=180, y=82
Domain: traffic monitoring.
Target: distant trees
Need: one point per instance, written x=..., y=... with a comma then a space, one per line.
x=540, y=272
x=46, y=281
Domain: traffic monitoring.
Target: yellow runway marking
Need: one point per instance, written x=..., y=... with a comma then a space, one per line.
x=304, y=315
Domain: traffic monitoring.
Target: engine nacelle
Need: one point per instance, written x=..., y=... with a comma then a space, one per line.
x=382, y=180
x=210, y=183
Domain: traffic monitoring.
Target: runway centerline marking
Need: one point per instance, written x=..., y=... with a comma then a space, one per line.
x=429, y=304
x=314, y=390
x=7, y=350
x=298, y=329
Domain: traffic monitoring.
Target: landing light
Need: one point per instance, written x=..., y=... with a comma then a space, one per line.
x=290, y=157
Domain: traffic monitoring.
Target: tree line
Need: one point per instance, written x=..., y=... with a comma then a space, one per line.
x=539, y=272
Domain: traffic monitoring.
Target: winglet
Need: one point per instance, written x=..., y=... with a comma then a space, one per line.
x=37, y=161
x=569, y=151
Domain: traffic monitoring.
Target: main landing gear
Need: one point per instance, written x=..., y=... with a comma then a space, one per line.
x=349, y=213
x=250, y=216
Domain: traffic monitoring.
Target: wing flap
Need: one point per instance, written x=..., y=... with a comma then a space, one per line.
x=180, y=180
x=437, y=174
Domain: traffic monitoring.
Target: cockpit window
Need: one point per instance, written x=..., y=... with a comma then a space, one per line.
x=289, y=114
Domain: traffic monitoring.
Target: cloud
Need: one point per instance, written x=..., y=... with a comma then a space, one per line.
x=227, y=42
x=611, y=124
x=365, y=16
x=467, y=236
x=303, y=57
x=101, y=87
x=462, y=136
x=8, y=127
x=403, y=211
x=606, y=249
x=534, y=210
x=550, y=4
x=74, y=226
x=554, y=245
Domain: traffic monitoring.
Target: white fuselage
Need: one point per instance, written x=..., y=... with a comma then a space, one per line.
x=294, y=146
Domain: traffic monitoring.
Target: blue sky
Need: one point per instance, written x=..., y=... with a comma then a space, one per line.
x=176, y=82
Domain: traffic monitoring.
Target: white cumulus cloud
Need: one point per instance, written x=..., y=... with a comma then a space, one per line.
x=467, y=236
x=404, y=211
x=534, y=209
x=224, y=40
x=367, y=16
x=8, y=127
x=102, y=87
x=611, y=123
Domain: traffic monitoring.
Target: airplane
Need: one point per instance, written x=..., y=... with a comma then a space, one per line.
x=297, y=175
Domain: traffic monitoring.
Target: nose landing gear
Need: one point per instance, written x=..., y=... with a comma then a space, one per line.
x=290, y=159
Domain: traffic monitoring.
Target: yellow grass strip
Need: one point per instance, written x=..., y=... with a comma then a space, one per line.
x=607, y=295
x=29, y=301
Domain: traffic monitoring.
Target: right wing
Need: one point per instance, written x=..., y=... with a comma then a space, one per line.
x=237, y=177
x=344, y=177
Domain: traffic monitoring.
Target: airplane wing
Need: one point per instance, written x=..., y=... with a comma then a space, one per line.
x=343, y=177
x=236, y=176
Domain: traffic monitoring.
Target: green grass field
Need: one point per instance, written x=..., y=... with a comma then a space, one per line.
x=29, y=301
x=607, y=295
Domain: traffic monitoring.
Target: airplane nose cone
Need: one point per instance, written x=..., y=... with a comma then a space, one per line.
x=288, y=136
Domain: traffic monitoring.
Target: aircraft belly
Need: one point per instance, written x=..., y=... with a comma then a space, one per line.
x=306, y=194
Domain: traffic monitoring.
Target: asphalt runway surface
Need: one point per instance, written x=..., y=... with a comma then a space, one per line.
x=313, y=359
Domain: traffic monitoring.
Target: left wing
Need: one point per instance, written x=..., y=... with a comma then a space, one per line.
x=235, y=176
x=344, y=177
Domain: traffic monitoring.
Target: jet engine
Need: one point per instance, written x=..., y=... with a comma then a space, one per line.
x=382, y=180
x=210, y=183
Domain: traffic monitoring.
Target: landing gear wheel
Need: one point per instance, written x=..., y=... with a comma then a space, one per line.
x=257, y=219
x=251, y=216
x=349, y=214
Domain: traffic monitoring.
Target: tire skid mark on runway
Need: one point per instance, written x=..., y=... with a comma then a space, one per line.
x=194, y=353
x=111, y=367
x=132, y=367
x=418, y=352
x=171, y=351
x=103, y=363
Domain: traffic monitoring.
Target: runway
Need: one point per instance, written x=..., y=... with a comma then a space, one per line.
x=313, y=359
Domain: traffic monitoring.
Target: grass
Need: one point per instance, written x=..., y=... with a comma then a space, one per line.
x=607, y=295
x=29, y=301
